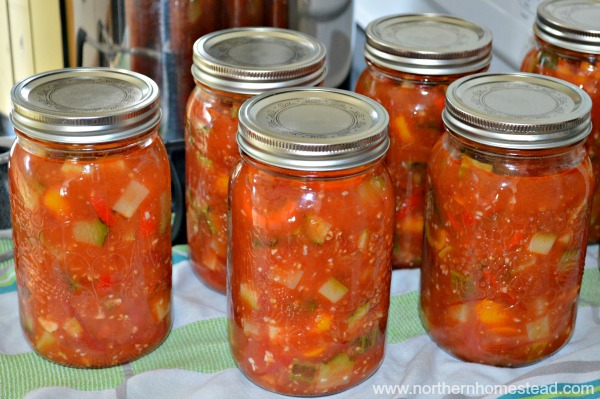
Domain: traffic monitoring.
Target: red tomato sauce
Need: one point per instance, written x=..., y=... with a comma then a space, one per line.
x=92, y=240
x=211, y=154
x=310, y=277
x=504, y=253
x=415, y=106
x=582, y=70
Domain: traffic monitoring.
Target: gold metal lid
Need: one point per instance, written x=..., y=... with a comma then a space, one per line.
x=254, y=60
x=314, y=129
x=517, y=110
x=85, y=105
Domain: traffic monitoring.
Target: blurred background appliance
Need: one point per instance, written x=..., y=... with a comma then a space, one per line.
x=155, y=37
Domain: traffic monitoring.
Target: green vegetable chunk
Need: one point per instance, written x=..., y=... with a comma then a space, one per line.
x=91, y=232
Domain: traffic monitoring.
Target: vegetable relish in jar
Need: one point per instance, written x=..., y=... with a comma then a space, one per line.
x=508, y=203
x=311, y=208
x=411, y=60
x=567, y=46
x=230, y=66
x=91, y=216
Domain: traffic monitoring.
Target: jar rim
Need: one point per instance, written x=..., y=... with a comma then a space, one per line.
x=315, y=129
x=428, y=43
x=256, y=59
x=517, y=110
x=569, y=24
x=85, y=105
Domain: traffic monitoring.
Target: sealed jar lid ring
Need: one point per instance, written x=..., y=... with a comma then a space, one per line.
x=313, y=129
x=569, y=24
x=517, y=110
x=256, y=59
x=85, y=105
x=428, y=44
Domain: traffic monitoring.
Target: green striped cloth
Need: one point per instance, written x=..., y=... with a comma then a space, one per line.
x=201, y=346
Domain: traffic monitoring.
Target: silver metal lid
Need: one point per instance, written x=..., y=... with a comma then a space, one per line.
x=254, y=60
x=428, y=44
x=570, y=24
x=517, y=110
x=313, y=129
x=85, y=105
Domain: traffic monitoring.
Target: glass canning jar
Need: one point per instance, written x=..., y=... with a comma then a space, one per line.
x=91, y=216
x=231, y=66
x=311, y=220
x=508, y=203
x=411, y=60
x=567, y=46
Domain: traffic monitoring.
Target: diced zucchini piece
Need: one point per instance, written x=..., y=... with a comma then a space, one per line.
x=250, y=329
x=459, y=312
x=130, y=200
x=160, y=308
x=274, y=332
x=249, y=296
x=71, y=169
x=48, y=325
x=470, y=163
x=91, y=232
x=538, y=329
x=333, y=290
x=303, y=372
x=292, y=278
x=363, y=240
x=44, y=342
x=373, y=189
x=334, y=372
x=316, y=228
x=359, y=313
x=542, y=242
x=73, y=327
x=27, y=322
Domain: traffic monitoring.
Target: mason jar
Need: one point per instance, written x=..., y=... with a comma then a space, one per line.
x=508, y=203
x=91, y=216
x=411, y=60
x=567, y=46
x=311, y=221
x=231, y=66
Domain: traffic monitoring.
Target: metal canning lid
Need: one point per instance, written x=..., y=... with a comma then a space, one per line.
x=428, y=44
x=570, y=24
x=85, y=105
x=313, y=129
x=254, y=60
x=517, y=110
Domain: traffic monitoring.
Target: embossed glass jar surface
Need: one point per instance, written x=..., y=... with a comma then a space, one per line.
x=508, y=203
x=91, y=214
x=310, y=236
x=567, y=46
x=411, y=60
x=231, y=66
